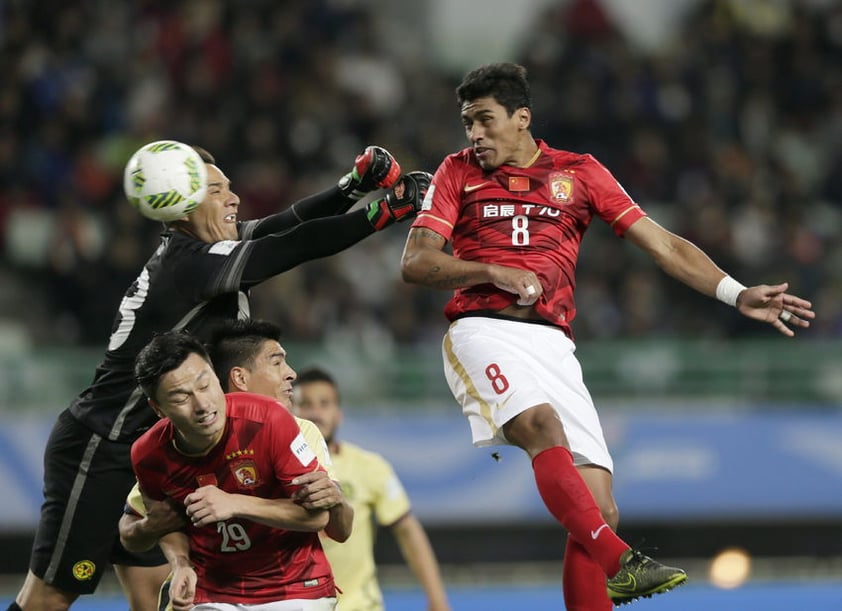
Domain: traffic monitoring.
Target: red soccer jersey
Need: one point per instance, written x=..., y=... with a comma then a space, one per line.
x=530, y=218
x=260, y=453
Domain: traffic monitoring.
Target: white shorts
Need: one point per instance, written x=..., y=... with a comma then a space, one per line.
x=497, y=369
x=297, y=604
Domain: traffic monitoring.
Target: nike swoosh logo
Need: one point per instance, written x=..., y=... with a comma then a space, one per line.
x=595, y=533
x=503, y=404
x=469, y=188
x=630, y=583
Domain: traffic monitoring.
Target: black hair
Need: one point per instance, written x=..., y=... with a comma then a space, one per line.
x=316, y=374
x=236, y=343
x=204, y=154
x=505, y=82
x=164, y=353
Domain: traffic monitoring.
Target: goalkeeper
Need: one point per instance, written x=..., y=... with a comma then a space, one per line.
x=200, y=274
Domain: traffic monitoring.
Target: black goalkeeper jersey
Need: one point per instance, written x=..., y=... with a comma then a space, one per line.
x=186, y=284
x=193, y=285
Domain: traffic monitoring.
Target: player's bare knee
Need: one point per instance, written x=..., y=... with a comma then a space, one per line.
x=536, y=429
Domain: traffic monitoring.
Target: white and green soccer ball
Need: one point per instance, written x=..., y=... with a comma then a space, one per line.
x=165, y=180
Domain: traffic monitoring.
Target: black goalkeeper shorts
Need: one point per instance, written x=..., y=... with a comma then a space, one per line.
x=86, y=480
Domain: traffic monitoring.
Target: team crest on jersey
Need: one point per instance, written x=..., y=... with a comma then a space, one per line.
x=245, y=472
x=561, y=187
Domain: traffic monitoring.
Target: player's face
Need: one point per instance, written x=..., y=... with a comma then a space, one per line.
x=271, y=374
x=496, y=137
x=319, y=403
x=216, y=218
x=192, y=398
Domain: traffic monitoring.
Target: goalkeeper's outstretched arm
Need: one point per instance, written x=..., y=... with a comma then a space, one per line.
x=375, y=168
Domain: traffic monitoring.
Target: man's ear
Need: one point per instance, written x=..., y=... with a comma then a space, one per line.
x=237, y=379
x=155, y=408
x=524, y=116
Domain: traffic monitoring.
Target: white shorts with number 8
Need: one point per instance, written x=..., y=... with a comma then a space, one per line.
x=497, y=369
x=298, y=604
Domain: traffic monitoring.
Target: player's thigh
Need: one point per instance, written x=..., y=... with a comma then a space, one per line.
x=499, y=369
x=489, y=368
x=142, y=584
x=35, y=595
x=86, y=479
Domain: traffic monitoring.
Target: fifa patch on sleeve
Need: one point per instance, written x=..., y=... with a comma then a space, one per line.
x=224, y=247
x=302, y=450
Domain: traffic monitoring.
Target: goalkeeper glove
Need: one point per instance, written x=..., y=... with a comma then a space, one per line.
x=374, y=168
x=402, y=201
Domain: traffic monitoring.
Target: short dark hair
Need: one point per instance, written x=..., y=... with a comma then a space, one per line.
x=164, y=353
x=316, y=374
x=204, y=154
x=505, y=82
x=236, y=343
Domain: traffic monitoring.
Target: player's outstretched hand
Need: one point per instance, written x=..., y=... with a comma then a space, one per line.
x=374, y=168
x=403, y=201
x=772, y=304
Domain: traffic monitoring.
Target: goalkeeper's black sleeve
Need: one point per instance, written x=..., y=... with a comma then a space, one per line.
x=329, y=202
x=278, y=252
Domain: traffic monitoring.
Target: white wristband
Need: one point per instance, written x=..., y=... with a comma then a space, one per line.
x=728, y=290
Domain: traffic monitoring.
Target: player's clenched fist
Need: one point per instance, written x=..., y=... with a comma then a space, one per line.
x=403, y=201
x=374, y=168
x=208, y=505
x=317, y=491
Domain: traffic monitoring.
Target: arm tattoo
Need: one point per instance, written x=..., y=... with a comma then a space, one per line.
x=421, y=233
x=454, y=282
x=432, y=279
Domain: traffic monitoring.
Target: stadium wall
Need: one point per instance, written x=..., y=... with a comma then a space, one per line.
x=690, y=481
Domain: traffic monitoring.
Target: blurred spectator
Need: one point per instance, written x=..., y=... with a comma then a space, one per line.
x=731, y=133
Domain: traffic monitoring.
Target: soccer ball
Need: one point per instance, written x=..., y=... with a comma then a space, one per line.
x=165, y=180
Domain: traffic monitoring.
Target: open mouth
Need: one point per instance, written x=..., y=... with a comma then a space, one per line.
x=206, y=419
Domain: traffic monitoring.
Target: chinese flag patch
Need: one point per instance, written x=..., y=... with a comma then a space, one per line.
x=518, y=183
x=208, y=479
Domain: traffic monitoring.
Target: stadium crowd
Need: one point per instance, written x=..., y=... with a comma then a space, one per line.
x=730, y=134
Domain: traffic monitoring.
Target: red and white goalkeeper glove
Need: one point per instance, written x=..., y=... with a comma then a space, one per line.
x=403, y=201
x=375, y=168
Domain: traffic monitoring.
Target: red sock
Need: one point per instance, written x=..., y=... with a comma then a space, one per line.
x=583, y=580
x=570, y=500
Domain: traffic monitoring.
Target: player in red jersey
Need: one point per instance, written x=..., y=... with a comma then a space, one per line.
x=229, y=460
x=515, y=211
